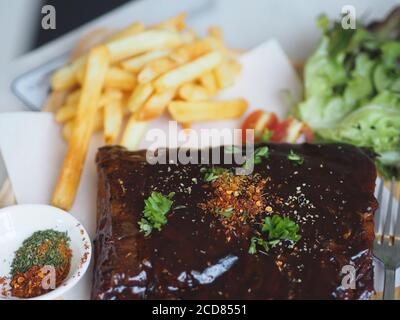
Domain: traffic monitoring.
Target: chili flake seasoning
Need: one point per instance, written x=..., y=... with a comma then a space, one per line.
x=48, y=248
x=236, y=200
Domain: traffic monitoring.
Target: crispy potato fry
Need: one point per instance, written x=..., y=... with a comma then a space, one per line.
x=207, y=110
x=156, y=105
x=209, y=82
x=143, y=42
x=176, y=23
x=98, y=120
x=117, y=78
x=235, y=66
x=132, y=29
x=186, y=125
x=119, y=49
x=67, y=130
x=88, y=41
x=188, y=52
x=216, y=32
x=113, y=115
x=154, y=69
x=189, y=71
x=135, y=64
x=73, y=97
x=139, y=96
x=68, y=182
x=55, y=100
x=193, y=92
x=225, y=75
x=133, y=133
x=66, y=113
x=65, y=78
x=191, y=35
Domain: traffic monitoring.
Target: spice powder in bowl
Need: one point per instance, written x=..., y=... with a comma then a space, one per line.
x=41, y=264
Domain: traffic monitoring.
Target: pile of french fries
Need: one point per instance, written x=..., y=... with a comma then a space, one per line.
x=131, y=77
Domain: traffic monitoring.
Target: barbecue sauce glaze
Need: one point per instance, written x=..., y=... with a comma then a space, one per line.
x=330, y=196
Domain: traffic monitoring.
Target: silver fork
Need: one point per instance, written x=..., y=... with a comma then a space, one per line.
x=387, y=244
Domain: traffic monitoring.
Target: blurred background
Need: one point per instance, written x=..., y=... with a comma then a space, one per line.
x=245, y=22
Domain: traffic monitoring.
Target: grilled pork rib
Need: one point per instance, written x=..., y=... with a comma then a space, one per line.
x=329, y=195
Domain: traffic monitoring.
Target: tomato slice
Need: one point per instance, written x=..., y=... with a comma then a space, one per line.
x=259, y=121
x=289, y=130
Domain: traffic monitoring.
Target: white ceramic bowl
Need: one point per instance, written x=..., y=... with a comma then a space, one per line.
x=19, y=222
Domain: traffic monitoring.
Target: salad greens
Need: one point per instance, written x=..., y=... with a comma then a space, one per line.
x=352, y=88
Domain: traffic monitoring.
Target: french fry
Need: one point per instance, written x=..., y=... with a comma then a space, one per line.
x=66, y=113
x=209, y=82
x=117, y=78
x=189, y=71
x=143, y=42
x=176, y=23
x=98, y=120
x=154, y=69
x=69, y=110
x=113, y=115
x=55, y=100
x=67, y=185
x=135, y=64
x=188, y=52
x=224, y=75
x=193, y=92
x=156, y=105
x=235, y=66
x=216, y=32
x=133, y=133
x=186, y=125
x=132, y=29
x=73, y=97
x=207, y=110
x=88, y=41
x=67, y=130
x=119, y=49
x=139, y=96
x=65, y=78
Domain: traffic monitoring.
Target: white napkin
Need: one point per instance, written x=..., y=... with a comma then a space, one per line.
x=33, y=148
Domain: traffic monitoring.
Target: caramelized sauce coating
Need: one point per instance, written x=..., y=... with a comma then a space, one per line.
x=330, y=196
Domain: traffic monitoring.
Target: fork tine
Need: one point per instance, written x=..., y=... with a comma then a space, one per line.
x=388, y=219
x=378, y=213
x=397, y=227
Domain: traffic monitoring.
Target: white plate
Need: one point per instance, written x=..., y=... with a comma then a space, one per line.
x=19, y=222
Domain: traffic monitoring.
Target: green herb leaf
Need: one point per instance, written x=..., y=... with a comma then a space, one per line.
x=256, y=157
x=276, y=229
x=155, y=210
x=212, y=174
x=279, y=228
x=264, y=136
x=294, y=157
x=232, y=149
x=40, y=249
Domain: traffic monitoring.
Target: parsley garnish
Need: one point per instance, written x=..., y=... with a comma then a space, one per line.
x=212, y=174
x=155, y=210
x=276, y=229
x=256, y=157
x=264, y=136
x=297, y=159
x=232, y=149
